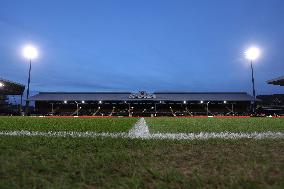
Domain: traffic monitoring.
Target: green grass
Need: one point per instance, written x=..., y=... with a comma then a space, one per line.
x=195, y=125
x=66, y=124
x=37, y=162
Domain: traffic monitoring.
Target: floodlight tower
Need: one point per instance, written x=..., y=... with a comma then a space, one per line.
x=252, y=54
x=29, y=52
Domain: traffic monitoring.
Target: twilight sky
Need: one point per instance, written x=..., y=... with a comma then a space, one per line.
x=153, y=45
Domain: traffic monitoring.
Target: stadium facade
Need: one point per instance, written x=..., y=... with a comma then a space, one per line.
x=142, y=103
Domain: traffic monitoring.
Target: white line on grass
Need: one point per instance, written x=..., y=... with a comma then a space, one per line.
x=159, y=136
x=141, y=130
x=73, y=134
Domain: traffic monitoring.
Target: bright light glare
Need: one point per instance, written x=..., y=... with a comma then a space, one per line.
x=1, y=85
x=83, y=101
x=252, y=53
x=30, y=52
x=201, y=101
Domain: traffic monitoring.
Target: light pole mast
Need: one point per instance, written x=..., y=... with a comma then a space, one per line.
x=28, y=89
x=253, y=86
x=252, y=54
x=30, y=53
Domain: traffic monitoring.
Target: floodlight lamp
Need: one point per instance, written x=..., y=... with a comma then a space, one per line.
x=201, y=101
x=225, y=102
x=30, y=52
x=184, y=102
x=1, y=85
x=83, y=101
x=252, y=53
x=65, y=101
x=100, y=102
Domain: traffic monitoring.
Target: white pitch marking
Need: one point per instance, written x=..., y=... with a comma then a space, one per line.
x=158, y=136
x=139, y=130
x=73, y=134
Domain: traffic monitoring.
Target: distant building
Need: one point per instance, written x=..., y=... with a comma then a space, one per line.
x=272, y=104
x=9, y=88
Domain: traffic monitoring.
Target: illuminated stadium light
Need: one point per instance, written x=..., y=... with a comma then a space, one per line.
x=83, y=101
x=201, y=101
x=225, y=102
x=152, y=107
x=184, y=102
x=100, y=102
x=99, y=107
x=132, y=107
x=1, y=85
x=252, y=53
x=30, y=52
x=65, y=101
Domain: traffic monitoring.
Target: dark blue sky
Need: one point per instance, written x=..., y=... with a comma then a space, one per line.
x=154, y=45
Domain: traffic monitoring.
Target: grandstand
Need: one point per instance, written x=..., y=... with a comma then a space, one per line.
x=142, y=103
x=9, y=88
x=273, y=104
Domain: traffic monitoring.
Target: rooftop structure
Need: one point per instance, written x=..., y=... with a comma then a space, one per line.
x=277, y=81
x=142, y=96
x=10, y=87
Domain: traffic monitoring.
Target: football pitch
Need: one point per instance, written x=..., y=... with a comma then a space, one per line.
x=31, y=159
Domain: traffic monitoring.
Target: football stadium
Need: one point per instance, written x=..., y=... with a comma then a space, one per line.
x=108, y=98
x=141, y=140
